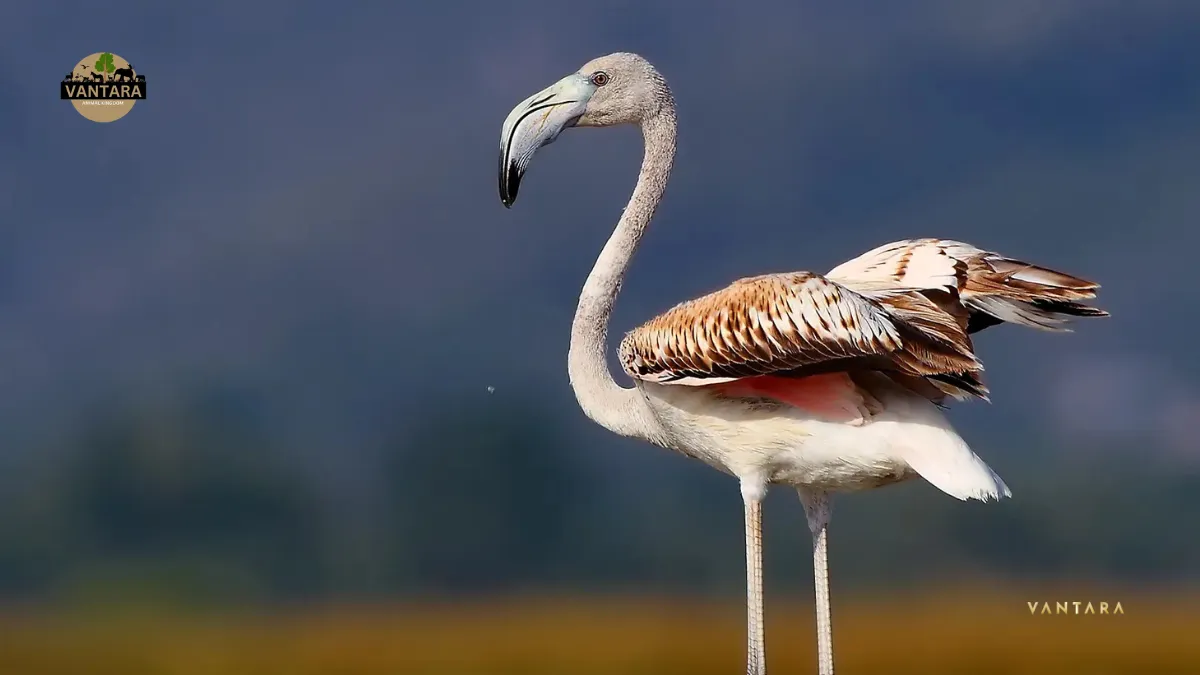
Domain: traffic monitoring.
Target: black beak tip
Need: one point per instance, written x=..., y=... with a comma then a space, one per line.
x=507, y=195
x=510, y=181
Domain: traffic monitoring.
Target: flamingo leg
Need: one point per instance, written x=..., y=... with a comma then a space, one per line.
x=817, y=511
x=756, y=658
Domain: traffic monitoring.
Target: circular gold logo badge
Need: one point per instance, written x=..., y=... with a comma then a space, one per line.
x=103, y=87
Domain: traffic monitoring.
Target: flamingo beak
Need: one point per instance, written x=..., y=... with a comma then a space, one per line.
x=536, y=122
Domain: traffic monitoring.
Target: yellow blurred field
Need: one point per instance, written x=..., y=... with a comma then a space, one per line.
x=952, y=631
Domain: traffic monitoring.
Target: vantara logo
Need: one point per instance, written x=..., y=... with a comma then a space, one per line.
x=1073, y=607
x=103, y=87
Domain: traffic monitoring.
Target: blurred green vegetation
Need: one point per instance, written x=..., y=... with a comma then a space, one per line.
x=190, y=501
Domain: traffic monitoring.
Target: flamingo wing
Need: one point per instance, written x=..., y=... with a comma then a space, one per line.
x=798, y=325
x=983, y=288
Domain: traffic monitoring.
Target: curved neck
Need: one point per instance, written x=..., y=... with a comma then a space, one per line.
x=610, y=405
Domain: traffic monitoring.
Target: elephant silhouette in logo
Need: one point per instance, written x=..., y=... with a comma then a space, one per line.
x=123, y=74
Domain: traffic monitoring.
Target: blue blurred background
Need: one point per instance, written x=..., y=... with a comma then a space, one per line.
x=271, y=339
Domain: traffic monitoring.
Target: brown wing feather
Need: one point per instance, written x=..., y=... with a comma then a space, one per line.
x=987, y=289
x=800, y=323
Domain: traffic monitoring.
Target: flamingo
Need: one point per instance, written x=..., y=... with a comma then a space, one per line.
x=826, y=383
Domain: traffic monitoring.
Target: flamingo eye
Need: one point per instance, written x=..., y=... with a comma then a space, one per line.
x=600, y=78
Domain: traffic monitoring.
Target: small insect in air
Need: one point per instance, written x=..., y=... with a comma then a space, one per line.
x=491, y=389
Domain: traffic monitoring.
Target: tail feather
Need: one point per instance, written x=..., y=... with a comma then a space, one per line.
x=960, y=386
x=1033, y=275
x=1068, y=308
x=934, y=450
x=1003, y=290
x=961, y=474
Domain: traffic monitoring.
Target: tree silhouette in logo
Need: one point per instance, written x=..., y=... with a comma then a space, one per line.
x=105, y=63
